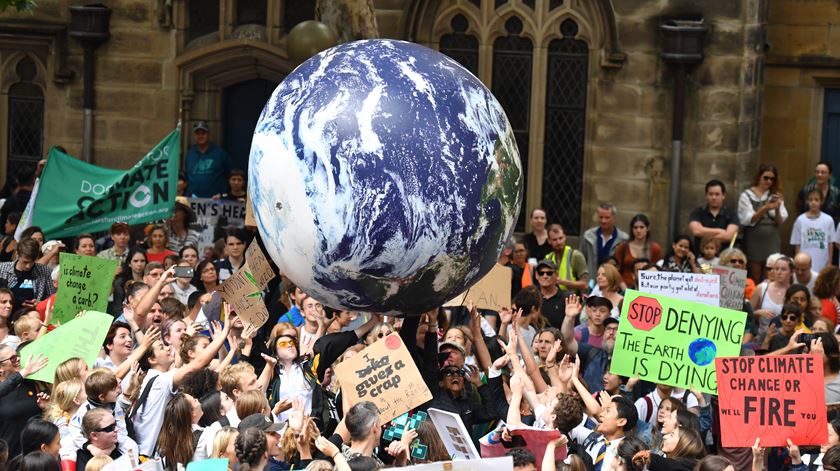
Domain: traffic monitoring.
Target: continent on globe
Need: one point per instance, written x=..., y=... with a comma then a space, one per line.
x=702, y=351
x=384, y=177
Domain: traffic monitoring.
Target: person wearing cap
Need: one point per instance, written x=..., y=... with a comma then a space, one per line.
x=554, y=301
x=269, y=427
x=572, y=274
x=207, y=165
x=180, y=232
x=121, y=235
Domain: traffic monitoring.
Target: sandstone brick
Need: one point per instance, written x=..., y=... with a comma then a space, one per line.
x=720, y=71
x=616, y=131
x=155, y=130
x=643, y=69
x=131, y=12
x=612, y=160
x=777, y=101
x=798, y=12
x=640, y=36
x=781, y=76
x=388, y=22
x=778, y=133
x=801, y=101
x=725, y=39
x=792, y=40
x=137, y=72
x=127, y=102
x=716, y=136
x=718, y=104
x=705, y=166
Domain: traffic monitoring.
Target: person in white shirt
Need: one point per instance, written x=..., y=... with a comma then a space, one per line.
x=617, y=418
x=160, y=383
x=802, y=272
x=648, y=405
x=813, y=233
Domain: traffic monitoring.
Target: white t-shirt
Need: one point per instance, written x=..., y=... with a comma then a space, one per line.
x=149, y=418
x=814, y=237
x=292, y=386
x=655, y=400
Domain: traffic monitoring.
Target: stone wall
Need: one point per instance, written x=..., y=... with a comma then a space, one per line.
x=803, y=58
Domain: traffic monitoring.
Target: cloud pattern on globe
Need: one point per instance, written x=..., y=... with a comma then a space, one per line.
x=384, y=177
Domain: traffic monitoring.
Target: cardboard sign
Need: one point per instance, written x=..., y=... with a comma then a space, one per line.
x=773, y=397
x=249, y=212
x=733, y=283
x=491, y=292
x=81, y=337
x=215, y=214
x=674, y=342
x=695, y=287
x=384, y=374
x=243, y=293
x=536, y=440
x=257, y=265
x=84, y=284
x=454, y=435
x=485, y=464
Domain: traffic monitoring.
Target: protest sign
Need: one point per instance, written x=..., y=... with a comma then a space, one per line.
x=81, y=337
x=384, y=374
x=208, y=464
x=675, y=342
x=454, y=435
x=123, y=463
x=534, y=439
x=484, y=464
x=774, y=397
x=84, y=284
x=75, y=197
x=491, y=292
x=733, y=283
x=243, y=293
x=213, y=216
x=696, y=287
x=257, y=265
x=249, y=212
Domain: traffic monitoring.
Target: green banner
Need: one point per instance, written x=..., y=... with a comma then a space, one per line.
x=75, y=197
x=84, y=284
x=82, y=337
x=675, y=342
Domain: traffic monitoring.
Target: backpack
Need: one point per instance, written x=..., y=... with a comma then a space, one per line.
x=141, y=401
x=649, y=403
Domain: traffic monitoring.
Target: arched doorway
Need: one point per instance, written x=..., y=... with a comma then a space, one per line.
x=242, y=104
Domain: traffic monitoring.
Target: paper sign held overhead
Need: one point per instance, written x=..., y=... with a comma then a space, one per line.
x=384, y=374
x=243, y=293
x=674, y=342
x=773, y=397
x=257, y=264
x=695, y=287
x=81, y=337
x=454, y=435
x=84, y=284
x=491, y=292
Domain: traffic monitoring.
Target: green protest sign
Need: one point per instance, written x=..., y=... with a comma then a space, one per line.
x=75, y=197
x=675, y=342
x=81, y=337
x=84, y=284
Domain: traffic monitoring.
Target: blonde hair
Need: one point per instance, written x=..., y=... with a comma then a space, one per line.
x=25, y=324
x=98, y=462
x=319, y=465
x=223, y=438
x=231, y=376
x=613, y=277
x=62, y=399
x=251, y=402
x=69, y=369
x=289, y=443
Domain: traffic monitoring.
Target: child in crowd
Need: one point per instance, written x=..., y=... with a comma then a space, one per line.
x=709, y=248
x=813, y=232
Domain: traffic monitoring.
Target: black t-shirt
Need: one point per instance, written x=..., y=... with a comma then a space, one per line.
x=535, y=250
x=25, y=288
x=702, y=215
x=554, y=309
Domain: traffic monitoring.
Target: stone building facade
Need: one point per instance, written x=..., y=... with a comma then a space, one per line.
x=582, y=81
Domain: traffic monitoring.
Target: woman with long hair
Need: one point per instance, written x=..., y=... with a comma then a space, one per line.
x=181, y=234
x=130, y=270
x=224, y=446
x=668, y=406
x=826, y=289
x=206, y=279
x=251, y=448
x=536, y=241
x=683, y=448
x=767, y=300
x=608, y=285
x=293, y=380
x=680, y=257
x=189, y=254
x=156, y=246
x=761, y=211
x=65, y=400
x=177, y=441
x=639, y=247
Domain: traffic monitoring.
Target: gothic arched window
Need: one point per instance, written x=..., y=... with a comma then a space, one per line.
x=26, y=119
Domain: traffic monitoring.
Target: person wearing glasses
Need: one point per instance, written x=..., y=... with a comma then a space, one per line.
x=786, y=340
x=100, y=429
x=761, y=211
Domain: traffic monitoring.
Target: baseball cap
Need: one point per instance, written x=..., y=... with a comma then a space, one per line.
x=260, y=421
x=598, y=301
x=200, y=126
x=547, y=263
x=453, y=345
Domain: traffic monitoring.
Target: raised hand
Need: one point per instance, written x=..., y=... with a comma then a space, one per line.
x=474, y=375
x=152, y=335
x=551, y=359
x=567, y=369
x=34, y=364
x=573, y=306
x=505, y=315
x=326, y=447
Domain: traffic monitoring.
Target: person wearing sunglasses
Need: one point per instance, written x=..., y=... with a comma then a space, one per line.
x=294, y=380
x=761, y=211
x=786, y=338
x=100, y=430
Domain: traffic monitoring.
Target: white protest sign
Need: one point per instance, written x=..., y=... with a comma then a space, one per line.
x=694, y=287
x=504, y=463
x=454, y=435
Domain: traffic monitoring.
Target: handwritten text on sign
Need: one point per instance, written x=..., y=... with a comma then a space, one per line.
x=687, y=286
x=384, y=374
x=242, y=292
x=83, y=285
x=733, y=281
x=773, y=398
x=674, y=342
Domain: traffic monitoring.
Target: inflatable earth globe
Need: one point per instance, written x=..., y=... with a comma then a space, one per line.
x=384, y=177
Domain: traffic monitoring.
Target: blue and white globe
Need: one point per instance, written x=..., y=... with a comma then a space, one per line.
x=384, y=177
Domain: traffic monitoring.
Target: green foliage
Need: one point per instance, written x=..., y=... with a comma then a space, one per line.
x=19, y=5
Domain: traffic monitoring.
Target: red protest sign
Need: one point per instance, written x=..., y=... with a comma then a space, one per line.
x=774, y=398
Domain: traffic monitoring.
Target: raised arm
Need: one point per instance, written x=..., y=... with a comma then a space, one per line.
x=573, y=309
x=206, y=356
x=149, y=338
x=482, y=354
x=150, y=298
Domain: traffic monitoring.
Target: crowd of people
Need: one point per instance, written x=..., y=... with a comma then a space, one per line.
x=181, y=379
